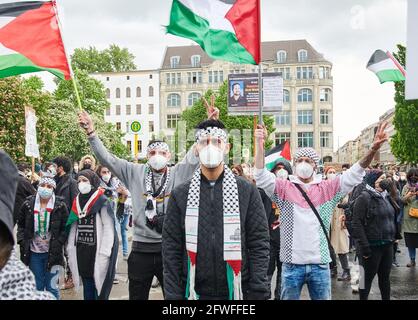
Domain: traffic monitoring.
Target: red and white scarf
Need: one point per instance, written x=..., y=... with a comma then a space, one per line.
x=42, y=228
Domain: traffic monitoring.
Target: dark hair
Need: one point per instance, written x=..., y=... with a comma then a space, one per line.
x=412, y=172
x=46, y=165
x=345, y=165
x=22, y=166
x=100, y=167
x=6, y=245
x=210, y=123
x=63, y=162
x=236, y=83
x=155, y=141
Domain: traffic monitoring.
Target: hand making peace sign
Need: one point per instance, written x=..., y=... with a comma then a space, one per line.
x=212, y=111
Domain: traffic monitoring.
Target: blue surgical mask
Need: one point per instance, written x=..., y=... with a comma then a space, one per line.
x=45, y=193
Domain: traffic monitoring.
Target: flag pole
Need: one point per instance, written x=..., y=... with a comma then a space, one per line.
x=73, y=78
x=260, y=69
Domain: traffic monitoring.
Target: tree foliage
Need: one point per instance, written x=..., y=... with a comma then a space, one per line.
x=404, y=143
x=112, y=59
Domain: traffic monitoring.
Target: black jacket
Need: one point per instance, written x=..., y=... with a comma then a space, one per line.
x=271, y=218
x=374, y=219
x=25, y=231
x=24, y=190
x=67, y=189
x=211, y=280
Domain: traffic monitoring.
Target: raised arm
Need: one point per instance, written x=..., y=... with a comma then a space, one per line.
x=121, y=168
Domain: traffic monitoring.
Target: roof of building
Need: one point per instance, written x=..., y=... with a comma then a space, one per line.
x=268, y=50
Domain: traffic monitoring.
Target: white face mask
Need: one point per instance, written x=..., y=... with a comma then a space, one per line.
x=403, y=178
x=331, y=176
x=106, y=178
x=158, y=162
x=282, y=174
x=304, y=170
x=84, y=187
x=53, y=171
x=211, y=156
x=395, y=177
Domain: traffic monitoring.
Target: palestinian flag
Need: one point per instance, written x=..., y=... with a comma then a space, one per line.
x=225, y=29
x=279, y=152
x=30, y=40
x=76, y=209
x=386, y=67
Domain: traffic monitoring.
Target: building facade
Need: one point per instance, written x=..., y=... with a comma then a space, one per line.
x=307, y=116
x=133, y=96
x=386, y=156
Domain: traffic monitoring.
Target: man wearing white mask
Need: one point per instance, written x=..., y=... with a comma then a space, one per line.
x=150, y=186
x=306, y=202
x=215, y=235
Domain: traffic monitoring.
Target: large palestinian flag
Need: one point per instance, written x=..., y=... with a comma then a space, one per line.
x=279, y=152
x=30, y=40
x=225, y=29
x=386, y=67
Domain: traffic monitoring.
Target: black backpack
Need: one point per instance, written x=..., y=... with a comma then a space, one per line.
x=349, y=207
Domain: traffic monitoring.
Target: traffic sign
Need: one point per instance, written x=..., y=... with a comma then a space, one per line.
x=135, y=126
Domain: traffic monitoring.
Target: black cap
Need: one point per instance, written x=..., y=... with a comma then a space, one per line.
x=9, y=177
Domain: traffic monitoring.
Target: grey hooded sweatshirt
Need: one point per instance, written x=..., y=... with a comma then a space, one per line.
x=133, y=177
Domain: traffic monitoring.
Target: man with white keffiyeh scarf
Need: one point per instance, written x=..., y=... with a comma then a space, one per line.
x=215, y=234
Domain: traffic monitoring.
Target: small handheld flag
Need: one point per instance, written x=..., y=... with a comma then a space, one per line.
x=281, y=151
x=386, y=67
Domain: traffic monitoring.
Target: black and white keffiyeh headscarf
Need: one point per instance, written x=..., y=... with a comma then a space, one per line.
x=211, y=131
x=309, y=153
x=160, y=145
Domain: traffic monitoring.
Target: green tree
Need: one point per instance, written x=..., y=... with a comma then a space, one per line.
x=112, y=59
x=404, y=143
x=15, y=95
x=197, y=114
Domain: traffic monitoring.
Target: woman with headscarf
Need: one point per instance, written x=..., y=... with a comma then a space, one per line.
x=375, y=231
x=339, y=234
x=410, y=214
x=41, y=234
x=92, y=242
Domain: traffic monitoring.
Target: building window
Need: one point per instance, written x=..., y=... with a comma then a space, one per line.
x=281, y=56
x=127, y=127
x=151, y=91
x=108, y=93
x=151, y=109
x=128, y=92
x=305, y=140
x=129, y=145
x=151, y=126
x=303, y=56
x=325, y=138
x=107, y=78
x=286, y=96
x=283, y=118
x=324, y=72
x=304, y=73
x=138, y=92
x=117, y=93
x=173, y=100
x=325, y=95
x=172, y=120
x=174, y=62
x=305, y=117
x=128, y=110
x=216, y=76
x=139, y=146
x=285, y=73
x=173, y=78
x=150, y=76
x=221, y=76
x=196, y=61
x=108, y=111
x=194, y=77
x=282, y=137
x=128, y=78
x=138, y=109
x=118, y=110
x=305, y=95
x=118, y=126
x=193, y=97
x=324, y=116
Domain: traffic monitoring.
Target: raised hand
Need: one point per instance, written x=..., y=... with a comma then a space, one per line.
x=380, y=137
x=85, y=121
x=261, y=134
x=212, y=111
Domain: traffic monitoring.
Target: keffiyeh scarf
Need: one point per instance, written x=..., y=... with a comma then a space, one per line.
x=41, y=219
x=152, y=195
x=232, y=233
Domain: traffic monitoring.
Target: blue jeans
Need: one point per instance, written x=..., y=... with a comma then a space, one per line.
x=44, y=280
x=89, y=289
x=124, y=234
x=412, y=253
x=316, y=276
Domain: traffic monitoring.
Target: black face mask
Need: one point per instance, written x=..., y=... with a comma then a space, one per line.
x=385, y=185
x=413, y=180
x=87, y=166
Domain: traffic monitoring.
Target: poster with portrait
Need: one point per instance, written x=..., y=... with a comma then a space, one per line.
x=243, y=94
